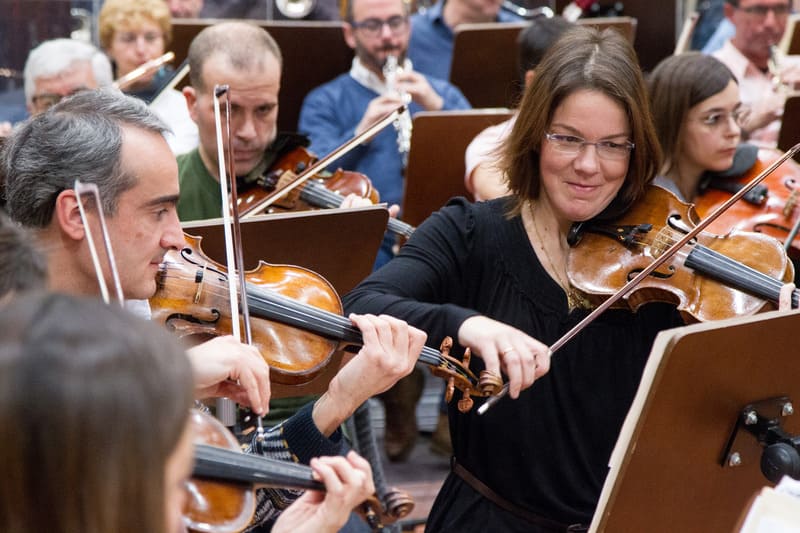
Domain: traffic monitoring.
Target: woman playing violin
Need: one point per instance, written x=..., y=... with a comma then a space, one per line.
x=494, y=274
x=72, y=437
x=698, y=116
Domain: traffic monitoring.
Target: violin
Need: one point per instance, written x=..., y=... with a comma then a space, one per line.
x=712, y=278
x=773, y=210
x=315, y=193
x=222, y=488
x=296, y=319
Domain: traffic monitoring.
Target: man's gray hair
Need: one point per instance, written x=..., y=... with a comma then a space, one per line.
x=58, y=55
x=78, y=138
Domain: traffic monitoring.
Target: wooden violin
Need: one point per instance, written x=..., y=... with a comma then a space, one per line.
x=315, y=193
x=773, y=210
x=296, y=319
x=222, y=488
x=715, y=277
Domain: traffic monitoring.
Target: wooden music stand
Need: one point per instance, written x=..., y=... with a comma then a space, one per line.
x=672, y=469
x=338, y=244
x=314, y=52
x=435, y=170
x=484, y=64
x=789, y=134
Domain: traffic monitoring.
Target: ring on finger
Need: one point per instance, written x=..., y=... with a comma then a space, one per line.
x=507, y=350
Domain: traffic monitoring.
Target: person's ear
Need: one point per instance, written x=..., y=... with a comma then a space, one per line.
x=68, y=216
x=529, y=77
x=190, y=94
x=349, y=35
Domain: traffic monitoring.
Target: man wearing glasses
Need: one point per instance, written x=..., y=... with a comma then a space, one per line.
x=765, y=76
x=347, y=105
x=61, y=67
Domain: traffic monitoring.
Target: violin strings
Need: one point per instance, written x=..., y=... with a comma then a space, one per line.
x=324, y=322
x=749, y=278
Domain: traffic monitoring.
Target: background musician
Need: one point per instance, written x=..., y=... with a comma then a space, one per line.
x=760, y=25
x=116, y=142
x=61, y=67
x=75, y=365
x=347, y=105
x=698, y=115
x=133, y=32
x=247, y=59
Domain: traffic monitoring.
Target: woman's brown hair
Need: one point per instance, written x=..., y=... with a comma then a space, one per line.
x=677, y=84
x=93, y=402
x=583, y=59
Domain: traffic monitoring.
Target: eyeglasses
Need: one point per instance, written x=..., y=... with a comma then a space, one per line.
x=374, y=26
x=718, y=118
x=130, y=37
x=44, y=101
x=760, y=11
x=570, y=144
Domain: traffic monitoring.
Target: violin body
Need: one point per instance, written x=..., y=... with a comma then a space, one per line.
x=214, y=506
x=775, y=216
x=192, y=300
x=314, y=194
x=605, y=258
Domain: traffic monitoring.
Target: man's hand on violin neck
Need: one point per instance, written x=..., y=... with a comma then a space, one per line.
x=224, y=367
x=390, y=351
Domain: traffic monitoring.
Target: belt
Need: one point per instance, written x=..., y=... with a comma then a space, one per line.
x=532, y=518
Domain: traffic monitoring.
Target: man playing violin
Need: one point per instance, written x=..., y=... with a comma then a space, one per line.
x=106, y=138
x=247, y=59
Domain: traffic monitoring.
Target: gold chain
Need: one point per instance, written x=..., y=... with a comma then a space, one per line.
x=574, y=299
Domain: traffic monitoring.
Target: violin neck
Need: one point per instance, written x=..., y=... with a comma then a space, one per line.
x=733, y=273
x=273, y=306
x=219, y=464
x=315, y=193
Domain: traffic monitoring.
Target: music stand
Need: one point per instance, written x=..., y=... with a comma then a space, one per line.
x=789, y=134
x=679, y=464
x=338, y=244
x=484, y=64
x=435, y=170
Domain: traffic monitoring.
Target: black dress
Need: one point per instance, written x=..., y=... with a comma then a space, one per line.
x=548, y=450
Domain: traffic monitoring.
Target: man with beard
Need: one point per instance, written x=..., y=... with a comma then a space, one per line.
x=347, y=105
x=760, y=25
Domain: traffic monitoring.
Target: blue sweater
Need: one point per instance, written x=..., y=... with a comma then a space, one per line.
x=329, y=116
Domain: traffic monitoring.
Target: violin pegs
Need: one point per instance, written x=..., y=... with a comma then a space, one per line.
x=467, y=357
x=449, y=389
x=465, y=403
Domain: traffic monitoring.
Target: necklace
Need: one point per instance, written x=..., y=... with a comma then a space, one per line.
x=574, y=299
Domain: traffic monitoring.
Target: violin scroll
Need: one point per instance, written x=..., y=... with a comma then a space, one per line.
x=489, y=384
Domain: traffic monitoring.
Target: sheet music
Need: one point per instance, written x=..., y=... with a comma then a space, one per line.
x=775, y=510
